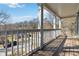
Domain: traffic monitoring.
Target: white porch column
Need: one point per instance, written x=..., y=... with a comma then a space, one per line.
x=59, y=26
x=40, y=25
x=54, y=26
x=39, y=17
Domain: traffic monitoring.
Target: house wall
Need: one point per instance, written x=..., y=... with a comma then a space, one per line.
x=68, y=25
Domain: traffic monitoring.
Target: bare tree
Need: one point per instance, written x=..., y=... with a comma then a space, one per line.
x=3, y=20
x=34, y=23
x=4, y=17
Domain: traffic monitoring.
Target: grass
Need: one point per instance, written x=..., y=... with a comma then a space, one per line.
x=1, y=46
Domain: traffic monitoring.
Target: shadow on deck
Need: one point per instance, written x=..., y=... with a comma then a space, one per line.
x=61, y=46
x=53, y=48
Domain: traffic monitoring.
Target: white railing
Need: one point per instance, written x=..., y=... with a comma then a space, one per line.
x=24, y=42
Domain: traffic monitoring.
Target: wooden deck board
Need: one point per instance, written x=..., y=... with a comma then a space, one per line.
x=49, y=49
x=43, y=53
x=69, y=54
x=71, y=47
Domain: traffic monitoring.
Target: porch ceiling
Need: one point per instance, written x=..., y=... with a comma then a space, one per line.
x=63, y=10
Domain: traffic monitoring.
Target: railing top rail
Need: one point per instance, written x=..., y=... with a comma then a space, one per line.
x=30, y=30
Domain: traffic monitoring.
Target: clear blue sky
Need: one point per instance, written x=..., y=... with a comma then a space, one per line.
x=20, y=10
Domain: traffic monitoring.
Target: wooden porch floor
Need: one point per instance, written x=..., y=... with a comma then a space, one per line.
x=52, y=48
x=60, y=47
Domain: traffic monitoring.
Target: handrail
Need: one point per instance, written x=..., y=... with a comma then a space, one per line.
x=27, y=30
x=30, y=41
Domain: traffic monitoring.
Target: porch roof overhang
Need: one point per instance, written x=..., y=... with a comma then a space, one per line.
x=63, y=10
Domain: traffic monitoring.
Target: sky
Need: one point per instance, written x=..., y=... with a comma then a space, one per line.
x=20, y=12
